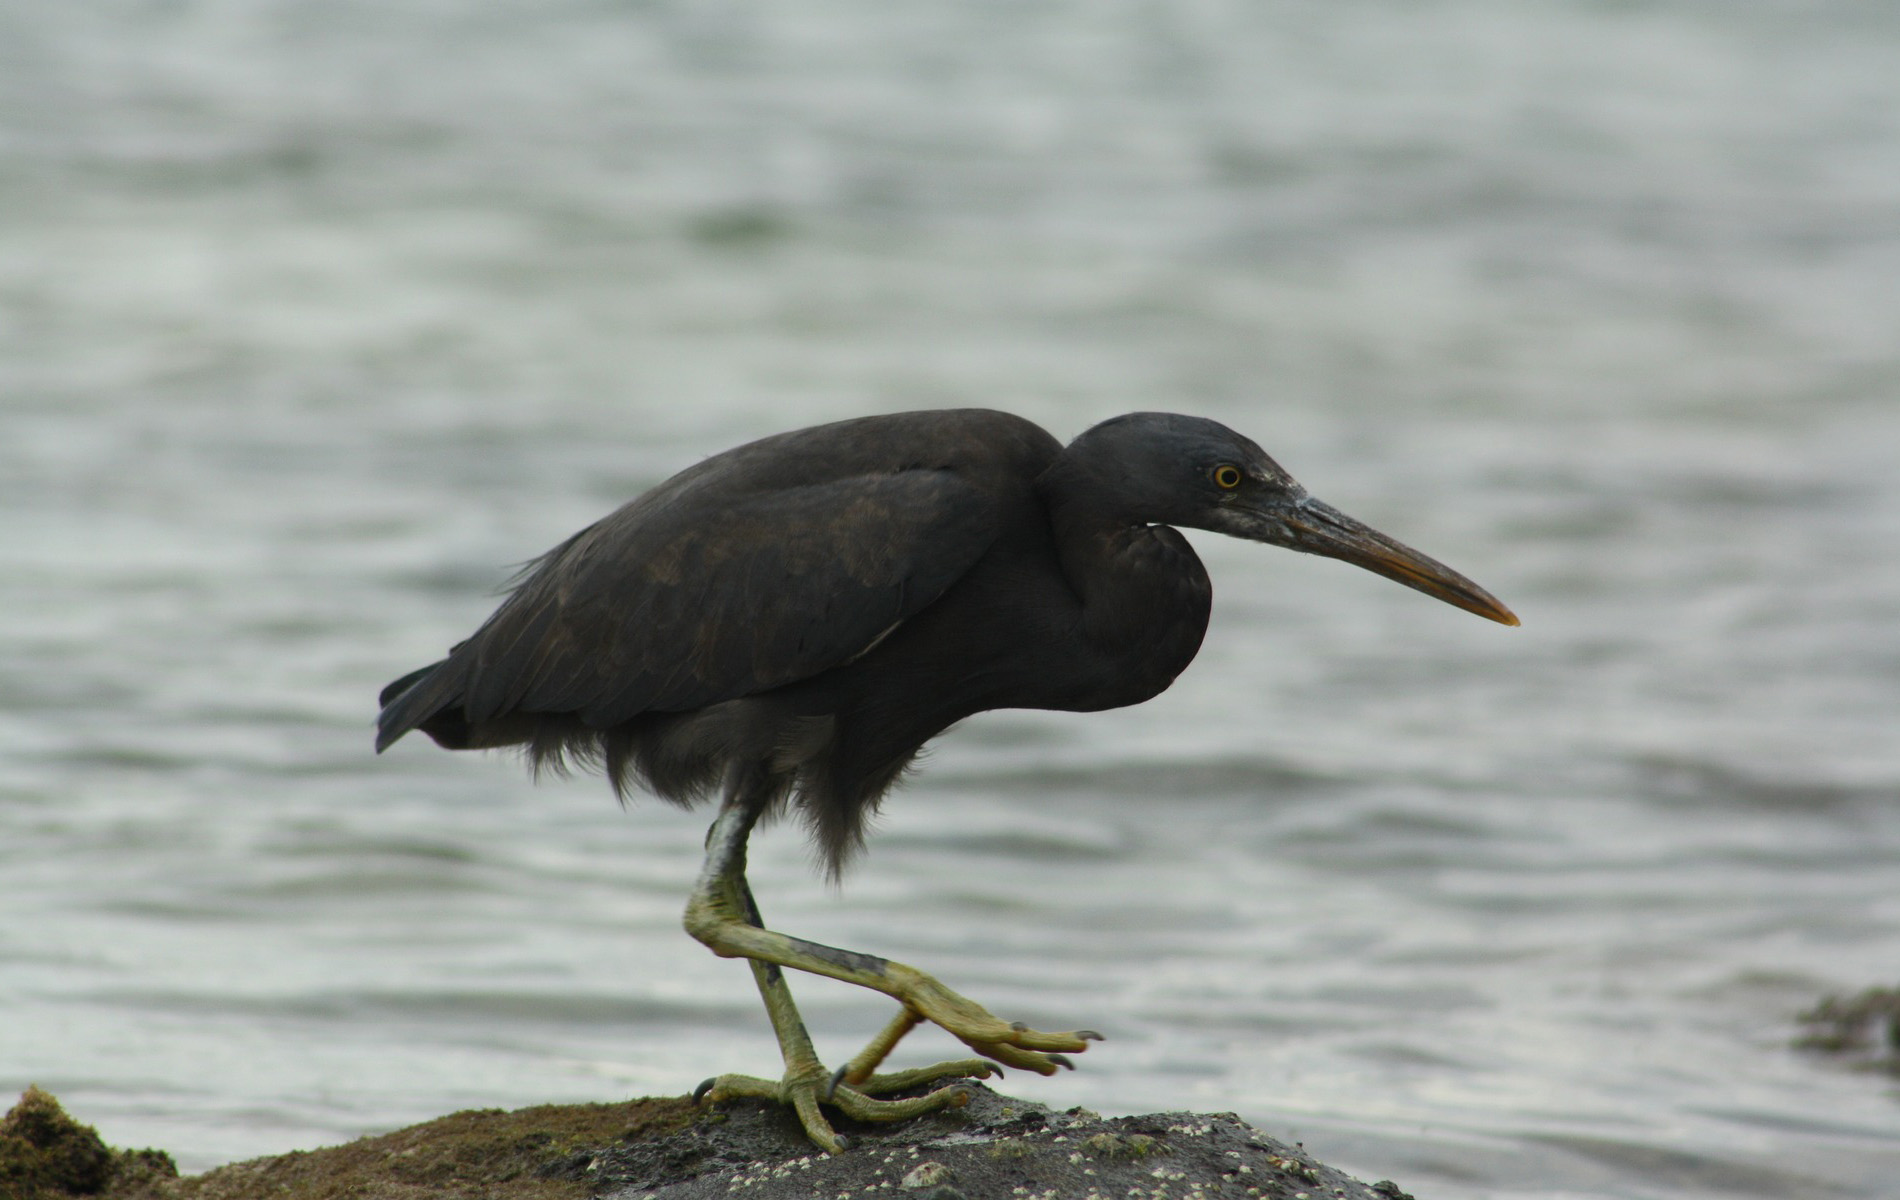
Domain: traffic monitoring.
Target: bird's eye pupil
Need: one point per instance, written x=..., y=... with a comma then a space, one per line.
x=1227, y=476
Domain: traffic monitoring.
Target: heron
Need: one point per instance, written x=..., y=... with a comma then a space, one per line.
x=786, y=624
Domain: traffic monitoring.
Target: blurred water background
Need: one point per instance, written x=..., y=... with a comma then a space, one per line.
x=315, y=317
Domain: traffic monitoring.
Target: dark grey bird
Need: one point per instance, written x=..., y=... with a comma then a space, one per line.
x=788, y=623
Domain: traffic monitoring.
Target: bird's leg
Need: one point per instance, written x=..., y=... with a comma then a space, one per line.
x=718, y=916
x=860, y=1071
x=879, y=1048
x=723, y=889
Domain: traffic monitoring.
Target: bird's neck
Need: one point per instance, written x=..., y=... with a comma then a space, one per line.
x=1140, y=585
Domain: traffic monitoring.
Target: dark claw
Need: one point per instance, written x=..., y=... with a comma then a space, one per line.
x=699, y=1093
x=837, y=1077
x=1062, y=1060
x=844, y=1143
x=1019, y=1027
x=1089, y=1035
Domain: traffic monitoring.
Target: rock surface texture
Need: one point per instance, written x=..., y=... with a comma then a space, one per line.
x=994, y=1147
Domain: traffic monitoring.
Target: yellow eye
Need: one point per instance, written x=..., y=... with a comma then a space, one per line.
x=1227, y=477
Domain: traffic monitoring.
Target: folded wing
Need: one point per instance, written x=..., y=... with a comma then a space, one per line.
x=693, y=594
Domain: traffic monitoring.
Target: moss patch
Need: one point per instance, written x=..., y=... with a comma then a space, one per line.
x=480, y=1155
x=46, y=1155
x=532, y=1154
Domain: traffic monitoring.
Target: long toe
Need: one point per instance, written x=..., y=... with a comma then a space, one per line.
x=1011, y=1043
x=861, y=1107
x=798, y=1091
x=884, y=1083
x=805, y=1095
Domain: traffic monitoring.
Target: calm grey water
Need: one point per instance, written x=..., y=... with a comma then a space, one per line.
x=314, y=318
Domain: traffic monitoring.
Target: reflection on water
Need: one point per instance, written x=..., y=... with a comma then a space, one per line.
x=313, y=320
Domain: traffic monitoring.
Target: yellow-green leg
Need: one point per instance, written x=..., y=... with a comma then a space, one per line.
x=723, y=915
x=860, y=1073
x=806, y=1082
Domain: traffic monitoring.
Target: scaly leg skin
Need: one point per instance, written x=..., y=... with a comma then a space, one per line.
x=859, y=1072
x=1013, y=1045
x=722, y=915
x=806, y=1081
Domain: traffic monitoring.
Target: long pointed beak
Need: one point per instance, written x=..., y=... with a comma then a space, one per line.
x=1318, y=528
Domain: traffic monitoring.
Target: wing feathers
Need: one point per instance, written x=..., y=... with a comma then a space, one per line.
x=672, y=607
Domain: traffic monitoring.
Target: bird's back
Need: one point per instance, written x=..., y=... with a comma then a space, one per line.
x=765, y=565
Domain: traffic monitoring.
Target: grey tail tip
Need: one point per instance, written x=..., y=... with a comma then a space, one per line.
x=390, y=722
x=389, y=732
x=385, y=735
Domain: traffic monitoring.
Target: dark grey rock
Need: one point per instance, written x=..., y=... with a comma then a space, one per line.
x=994, y=1147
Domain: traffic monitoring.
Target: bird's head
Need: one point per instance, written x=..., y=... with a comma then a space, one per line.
x=1167, y=469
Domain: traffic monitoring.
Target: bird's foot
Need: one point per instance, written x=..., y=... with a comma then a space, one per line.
x=1011, y=1043
x=803, y=1089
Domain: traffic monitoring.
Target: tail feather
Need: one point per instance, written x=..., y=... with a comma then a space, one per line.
x=410, y=702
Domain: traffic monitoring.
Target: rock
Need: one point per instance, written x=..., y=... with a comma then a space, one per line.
x=993, y=1148
x=1862, y=1030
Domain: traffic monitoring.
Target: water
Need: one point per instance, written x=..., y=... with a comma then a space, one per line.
x=314, y=318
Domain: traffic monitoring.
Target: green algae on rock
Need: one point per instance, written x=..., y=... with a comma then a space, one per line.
x=46, y=1155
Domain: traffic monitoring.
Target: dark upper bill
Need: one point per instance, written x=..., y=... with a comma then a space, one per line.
x=1319, y=528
